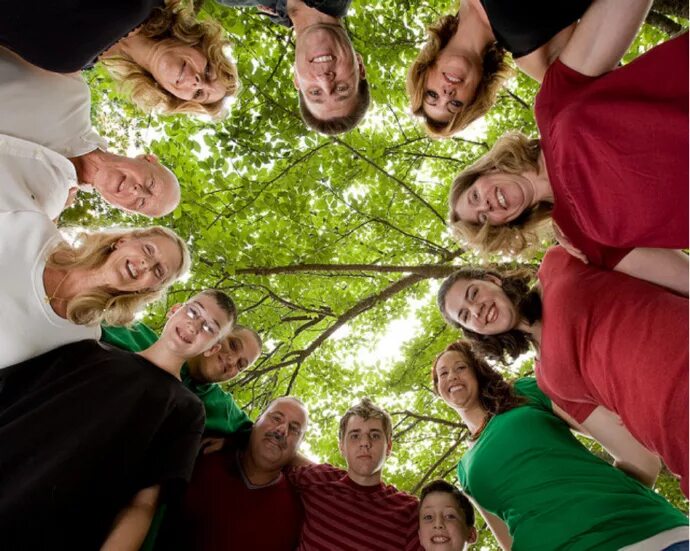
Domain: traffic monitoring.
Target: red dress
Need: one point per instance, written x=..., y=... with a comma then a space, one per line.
x=617, y=341
x=616, y=150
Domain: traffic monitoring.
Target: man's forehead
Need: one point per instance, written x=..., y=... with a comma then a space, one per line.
x=357, y=423
x=289, y=408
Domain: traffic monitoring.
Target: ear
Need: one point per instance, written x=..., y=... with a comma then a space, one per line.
x=148, y=157
x=295, y=80
x=362, y=68
x=472, y=535
x=174, y=308
x=213, y=350
x=494, y=279
x=341, y=448
x=389, y=447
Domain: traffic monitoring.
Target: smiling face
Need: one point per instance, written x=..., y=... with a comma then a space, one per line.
x=141, y=263
x=195, y=326
x=481, y=306
x=140, y=185
x=185, y=72
x=277, y=434
x=364, y=446
x=327, y=71
x=495, y=198
x=236, y=352
x=441, y=524
x=455, y=381
x=451, y=83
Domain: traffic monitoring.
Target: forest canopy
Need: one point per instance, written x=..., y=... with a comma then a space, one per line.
x=332, y=247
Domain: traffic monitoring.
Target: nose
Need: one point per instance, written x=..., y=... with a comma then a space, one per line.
x=438, y=522
x=449, y=91
x=141, y=190
x=476, y=310
x=365, y=442
x=326, y=75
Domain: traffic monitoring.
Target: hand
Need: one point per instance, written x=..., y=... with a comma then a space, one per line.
x=564, y=242
x=211, y=445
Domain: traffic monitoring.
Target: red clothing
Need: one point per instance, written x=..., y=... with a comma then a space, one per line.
x=220, y=512
x=617, y=341
x=616, y=151
x=341, y=515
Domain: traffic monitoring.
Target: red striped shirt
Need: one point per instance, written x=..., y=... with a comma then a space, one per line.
x=341, y=515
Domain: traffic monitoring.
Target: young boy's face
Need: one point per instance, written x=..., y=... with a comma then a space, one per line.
x=442, y=524
x=365, y=446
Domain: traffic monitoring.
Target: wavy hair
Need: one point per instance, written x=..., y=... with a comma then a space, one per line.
x=178, y=24
x=517, y=285
x=496, y=395
x=514, y=153
x=104, y=305
x=495, y=71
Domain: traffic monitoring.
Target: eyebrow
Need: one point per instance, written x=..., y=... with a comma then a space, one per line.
x=199, y=305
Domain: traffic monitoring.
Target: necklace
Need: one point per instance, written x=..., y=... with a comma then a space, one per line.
x=52, y=296
x=475, y=435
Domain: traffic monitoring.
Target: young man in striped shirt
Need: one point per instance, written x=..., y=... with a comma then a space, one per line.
x=354, y=510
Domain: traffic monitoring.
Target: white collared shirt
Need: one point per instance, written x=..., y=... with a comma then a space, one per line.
x=47, y=108
x=33, y=178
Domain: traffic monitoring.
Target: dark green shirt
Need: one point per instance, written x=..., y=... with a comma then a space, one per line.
x=528, y=469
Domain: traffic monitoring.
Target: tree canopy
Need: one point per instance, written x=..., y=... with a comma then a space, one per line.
x=332, y=247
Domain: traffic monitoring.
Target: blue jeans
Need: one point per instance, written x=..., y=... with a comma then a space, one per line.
x=680, y=546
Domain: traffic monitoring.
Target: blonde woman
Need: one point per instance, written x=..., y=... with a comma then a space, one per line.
x=456, y=76
x=164, y=57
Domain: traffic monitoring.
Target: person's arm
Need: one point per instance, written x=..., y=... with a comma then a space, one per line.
x=665, y=267
x=132, y=523
x=603, y=35
x=629, y=455
x=498, y=528
x=536, y=63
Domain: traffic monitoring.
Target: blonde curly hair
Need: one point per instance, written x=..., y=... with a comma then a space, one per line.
x=179, y=24
x=102, y=305
x=495, y=70
x=514, y=153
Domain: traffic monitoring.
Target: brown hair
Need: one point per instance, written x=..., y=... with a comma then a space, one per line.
x=496, y=395
x=516, y=284
x=178, y=24
x=366, y=409
x=104, y=305
x=495, y=70
x=514, y=153
x=225, y=303
x=443, y=487
x=238, y=328
x=338, y=125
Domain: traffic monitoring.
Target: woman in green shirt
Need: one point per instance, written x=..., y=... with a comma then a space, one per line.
x=537, y=487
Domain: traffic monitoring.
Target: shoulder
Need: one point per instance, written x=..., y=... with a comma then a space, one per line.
x=528, y=388
x=308, y=475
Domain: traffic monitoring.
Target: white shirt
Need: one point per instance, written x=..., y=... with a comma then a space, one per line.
x=33, y=178
x=51, y=109
x=28, y=324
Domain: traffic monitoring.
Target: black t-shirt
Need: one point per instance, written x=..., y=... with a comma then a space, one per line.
x=522, y=27
x=67, y=35
x=82, y=429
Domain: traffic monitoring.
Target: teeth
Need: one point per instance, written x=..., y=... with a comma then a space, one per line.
x=456, y=387
x=452, y=79
x=440, y=539
x=501, y=198
x=322, y=59
x=131, y=270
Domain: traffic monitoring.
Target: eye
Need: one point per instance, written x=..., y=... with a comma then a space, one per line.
x=451, y=516
x=294, y=429
x=341, y=88
x=473, y=293
x=376, y=436
x=443, y=373
x=474, y=196
x=197, y=94
x=148, y=249
x=456, y=103
x=207, y=72
x=141, y=203
x=431, y=94
x=463, y=316
x=208, y=329
x=159, y=272
x=354, y=436
x=275, y=418
x=314, y=92
x=233, y=346
x=192, y=313
x=483, y=218
x=426, y=517
x=242, y=364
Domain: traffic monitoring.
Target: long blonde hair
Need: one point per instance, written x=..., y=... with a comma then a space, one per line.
x=103, y=305
x=514, y=153
x=177, y=23
x=495, y=70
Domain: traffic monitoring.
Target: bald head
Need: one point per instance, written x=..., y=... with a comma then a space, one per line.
x=142, y=185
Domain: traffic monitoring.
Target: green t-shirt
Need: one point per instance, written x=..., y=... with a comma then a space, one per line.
x=528, y=469
x=222, y=413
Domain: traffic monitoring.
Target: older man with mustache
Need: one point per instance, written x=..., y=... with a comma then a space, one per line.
x=232, y=493
x=47, y=116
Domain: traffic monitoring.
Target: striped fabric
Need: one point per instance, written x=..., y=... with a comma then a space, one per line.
x=341, y=515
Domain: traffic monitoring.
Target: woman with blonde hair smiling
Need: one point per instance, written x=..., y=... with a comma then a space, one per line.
x=458, y=73
x=163, y=56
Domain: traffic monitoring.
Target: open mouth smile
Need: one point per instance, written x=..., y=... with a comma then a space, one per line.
x=450, y=78
x=323, y=59
x=131, y=270
x=501, y=198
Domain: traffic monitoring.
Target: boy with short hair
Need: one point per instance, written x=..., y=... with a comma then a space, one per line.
x=354, y=509
x=446, y=518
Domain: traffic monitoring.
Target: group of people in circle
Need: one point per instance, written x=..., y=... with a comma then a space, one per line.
x=101, y=418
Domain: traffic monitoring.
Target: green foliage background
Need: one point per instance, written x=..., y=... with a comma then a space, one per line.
x=260, y=191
